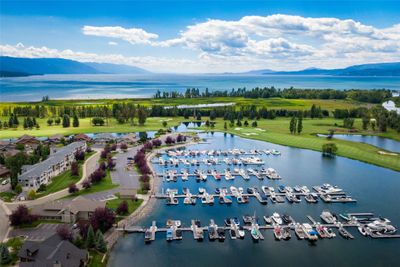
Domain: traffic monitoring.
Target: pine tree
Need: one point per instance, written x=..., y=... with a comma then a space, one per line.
x=75, y=123
x=225, y=126
x=292, y=126
x=5, y=257
x=65, y=122
x=90, y=238
x=101, y=245
x=300, y=125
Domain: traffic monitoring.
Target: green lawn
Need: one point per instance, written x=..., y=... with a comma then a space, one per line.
x=95, y=258
x=7, y=196
x=105, y=184
x=60, y=182
x=132, y=205
x=277, y=131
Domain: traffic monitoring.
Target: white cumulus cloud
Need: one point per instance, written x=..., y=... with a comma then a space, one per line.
x=132, y=35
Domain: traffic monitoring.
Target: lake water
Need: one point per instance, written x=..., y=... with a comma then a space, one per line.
x=385, y=143
x=375, y=188
x=33, y=88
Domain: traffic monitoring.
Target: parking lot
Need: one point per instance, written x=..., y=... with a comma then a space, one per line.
x=39, y=233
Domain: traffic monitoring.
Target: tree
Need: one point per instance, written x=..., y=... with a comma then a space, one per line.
x=329, y=149
x=86, y=184
x=21, y=216
x=142, y=115
x=254, y=124
x=238, y=123
x=75, y=122
x=246, y=123
x=66, y=122
x=90, y=238
x=100, y=243
x=72, y=189
x=41, y=188
x=225, y=126
x=5, y=257
x=365, y=122
x=31, y=194
x=102, y=219
x=57, y=121
x=74, y=168
x=292, y=126
x=300, y=125
x=373, y=124
x=122, y=208
x=50, y=121
x=64, y=232
x=18, y=189
x=164, y=124
x=213, y=115
x=348, y=123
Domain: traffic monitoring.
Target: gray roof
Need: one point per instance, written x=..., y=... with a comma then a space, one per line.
x=104, y=136
x=53, y=159
x=50, y=251
x=74, y=205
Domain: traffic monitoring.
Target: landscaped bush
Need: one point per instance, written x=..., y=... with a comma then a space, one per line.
x=22, y=216
x=156, y=142
x=123, y=146
x=64, y=232
x=72, y=189
x=80, y=155
x=122, y=208
x=74, y=168
x=102, y=219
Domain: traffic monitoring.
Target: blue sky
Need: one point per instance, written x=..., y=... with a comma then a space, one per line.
x=204, y=36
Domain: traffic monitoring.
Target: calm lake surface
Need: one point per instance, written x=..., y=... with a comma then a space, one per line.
x=385, y=143
x=33, y=88
x=375, y=188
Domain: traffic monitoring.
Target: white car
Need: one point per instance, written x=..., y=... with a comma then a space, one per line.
x=5, y=182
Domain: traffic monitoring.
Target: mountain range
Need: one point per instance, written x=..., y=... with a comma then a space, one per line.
x=375, y=69
x=14, y=67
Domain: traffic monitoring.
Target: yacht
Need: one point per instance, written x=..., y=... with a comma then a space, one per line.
x=311, y=234
x=328, y=217
x=277, y=218
x=278, y=233
x=299, y=231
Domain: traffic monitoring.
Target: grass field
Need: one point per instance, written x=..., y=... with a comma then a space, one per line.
x=277, y=131
x=281, y=103
x=132, y=205
x=152, y=124
x=105, y=184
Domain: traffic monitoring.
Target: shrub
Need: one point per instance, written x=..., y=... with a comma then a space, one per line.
x=72, y=189
x=86, y=184
x=102, y=219
x=329, y=149
x=21, y=216
x=64, y=232
x=123, y=146
x=74, y=168
x=122, y=208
